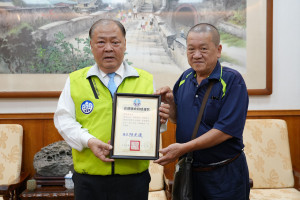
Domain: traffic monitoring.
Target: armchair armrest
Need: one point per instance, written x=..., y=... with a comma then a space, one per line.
x=297, y=178
x=168, y=187
x=14, y=188
x=251, y=182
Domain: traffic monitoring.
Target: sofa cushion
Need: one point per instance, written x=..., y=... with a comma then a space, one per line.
x=278, y=194
x=157, y=195
x=157, y=174
x=268, y=153
x=157, y=181
x=11, y=137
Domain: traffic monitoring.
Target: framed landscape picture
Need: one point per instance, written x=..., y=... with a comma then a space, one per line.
x=41, y=43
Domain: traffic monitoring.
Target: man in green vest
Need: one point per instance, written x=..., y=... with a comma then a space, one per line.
x=84, y=118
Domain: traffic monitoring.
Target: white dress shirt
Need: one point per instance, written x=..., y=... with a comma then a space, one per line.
x=65, y=118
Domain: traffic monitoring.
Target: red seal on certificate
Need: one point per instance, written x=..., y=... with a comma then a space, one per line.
x=134, y=145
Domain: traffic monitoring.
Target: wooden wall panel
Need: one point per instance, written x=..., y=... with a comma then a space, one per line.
x=39, y=131
x=168, y=138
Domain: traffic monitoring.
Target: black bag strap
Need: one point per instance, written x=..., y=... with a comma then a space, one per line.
x=201, y=113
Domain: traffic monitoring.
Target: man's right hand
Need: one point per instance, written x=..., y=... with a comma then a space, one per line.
x=100, y=149
x=171, y=153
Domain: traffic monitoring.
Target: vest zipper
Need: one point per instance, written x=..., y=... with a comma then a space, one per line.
x=113, y=168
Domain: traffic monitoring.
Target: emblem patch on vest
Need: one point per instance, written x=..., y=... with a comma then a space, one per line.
x=87, y=107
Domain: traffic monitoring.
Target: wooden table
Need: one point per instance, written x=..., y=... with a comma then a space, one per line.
x=48, y=192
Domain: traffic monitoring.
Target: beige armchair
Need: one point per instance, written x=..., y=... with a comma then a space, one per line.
x=157, y=185
x=269, y=161
x=12, y=181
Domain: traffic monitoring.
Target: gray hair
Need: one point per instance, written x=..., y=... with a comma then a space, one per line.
x=105, y=22
x=207, y=28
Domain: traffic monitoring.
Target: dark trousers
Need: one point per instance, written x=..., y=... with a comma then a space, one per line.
x=225, y=183
x=112, y=187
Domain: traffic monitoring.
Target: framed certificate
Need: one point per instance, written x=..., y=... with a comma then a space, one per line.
x=135, y=126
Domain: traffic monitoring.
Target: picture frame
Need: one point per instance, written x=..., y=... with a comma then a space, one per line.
x=260, y=78
x=135, y=126
x=258, y=73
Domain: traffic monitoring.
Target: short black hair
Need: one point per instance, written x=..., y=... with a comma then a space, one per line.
x=107, y=21
x=205, y=28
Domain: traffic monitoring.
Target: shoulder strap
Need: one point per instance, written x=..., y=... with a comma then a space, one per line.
x=202, y=109
x=189, y=156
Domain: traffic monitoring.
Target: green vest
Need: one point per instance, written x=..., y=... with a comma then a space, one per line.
x=99, y=121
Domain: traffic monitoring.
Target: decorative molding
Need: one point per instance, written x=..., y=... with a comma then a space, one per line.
x=266, y=113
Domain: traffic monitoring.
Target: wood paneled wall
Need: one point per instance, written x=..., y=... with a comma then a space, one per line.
x=39, y=131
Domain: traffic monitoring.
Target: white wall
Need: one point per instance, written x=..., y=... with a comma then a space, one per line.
x=286, y=68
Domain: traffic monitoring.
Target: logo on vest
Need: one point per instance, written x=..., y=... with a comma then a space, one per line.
x=137, y=102
x=87, y=107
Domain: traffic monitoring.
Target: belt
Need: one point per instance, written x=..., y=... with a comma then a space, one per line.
x=214, y=166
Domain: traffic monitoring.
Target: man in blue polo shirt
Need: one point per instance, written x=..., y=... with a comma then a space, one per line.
x=220, y=169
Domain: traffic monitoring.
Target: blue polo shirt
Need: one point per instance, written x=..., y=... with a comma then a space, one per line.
x=225, y=110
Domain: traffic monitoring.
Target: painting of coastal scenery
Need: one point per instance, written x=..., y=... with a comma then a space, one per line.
x=50, y=37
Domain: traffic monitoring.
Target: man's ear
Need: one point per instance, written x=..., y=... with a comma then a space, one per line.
x=219, y=51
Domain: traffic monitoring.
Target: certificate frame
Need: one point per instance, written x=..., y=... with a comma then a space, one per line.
x=135, y=126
